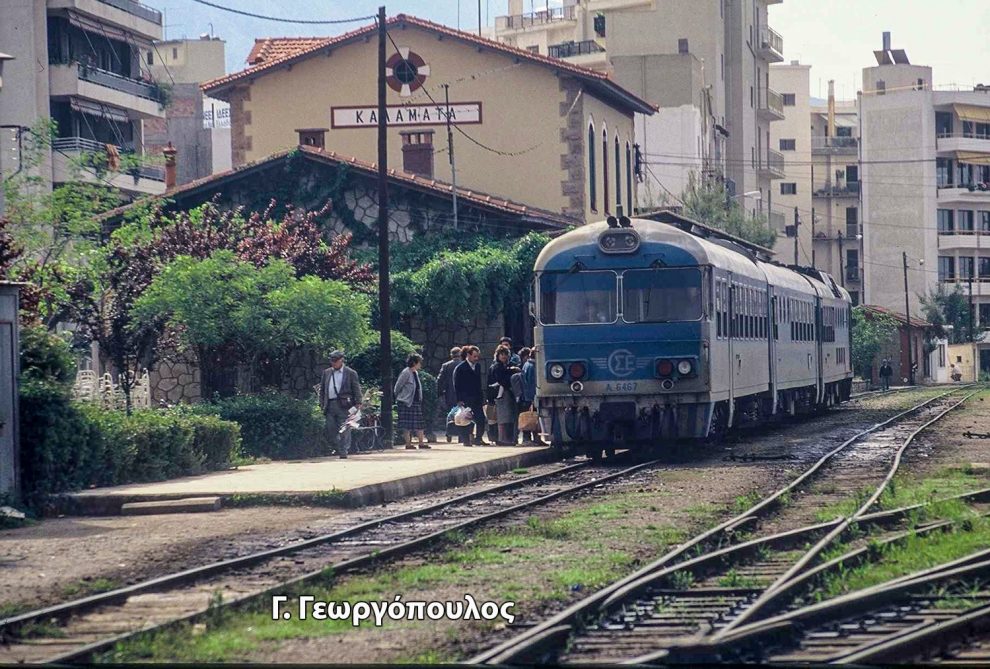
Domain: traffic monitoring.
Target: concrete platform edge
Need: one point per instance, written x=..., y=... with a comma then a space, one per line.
x=376, y=493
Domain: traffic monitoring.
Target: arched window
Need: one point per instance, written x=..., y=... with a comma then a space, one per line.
x=592, y=182
x=605, y=168
x=629, y=192
x=618, y=174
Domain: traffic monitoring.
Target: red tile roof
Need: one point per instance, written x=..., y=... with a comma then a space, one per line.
x=282, y=53
x=532, y=215
x=267, y=49
x=916, y=321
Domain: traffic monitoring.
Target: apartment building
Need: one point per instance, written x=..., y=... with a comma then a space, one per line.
x=704, y=62
x=789, y=201
x=84, y=64
x=836, y=190
x=197, y=126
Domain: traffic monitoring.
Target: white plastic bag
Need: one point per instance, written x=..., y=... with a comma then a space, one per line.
x=464, y=417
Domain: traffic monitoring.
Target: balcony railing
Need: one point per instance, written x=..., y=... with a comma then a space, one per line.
x=571, y=49
x=137, y=9
x=772, y=101
x=771, y=41
x=852, y=274
x=838, y=190
x=775, y=161
x=517, y=21
x=85, y=145
x=118, y=83
x=834, y=143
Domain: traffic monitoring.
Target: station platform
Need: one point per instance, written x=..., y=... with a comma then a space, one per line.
x=362, y=479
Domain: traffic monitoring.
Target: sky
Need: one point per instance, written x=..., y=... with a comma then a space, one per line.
x=836, y=37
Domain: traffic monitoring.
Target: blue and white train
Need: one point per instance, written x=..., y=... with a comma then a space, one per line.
x=649, y=332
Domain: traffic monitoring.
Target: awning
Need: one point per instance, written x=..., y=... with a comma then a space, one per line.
x=106, y=29
x=96, y=109
x=972, y=113
x=973, y=157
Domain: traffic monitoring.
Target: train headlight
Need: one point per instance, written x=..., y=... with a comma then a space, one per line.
x=556, y=371
x=624, y=240
x=665, y=368
x=578, y=370
x=684, y=367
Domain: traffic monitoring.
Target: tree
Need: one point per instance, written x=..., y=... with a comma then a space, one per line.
x=227, y=311
x=949, y=313
x=711, y=204
x=870, y=331
x=55, y=227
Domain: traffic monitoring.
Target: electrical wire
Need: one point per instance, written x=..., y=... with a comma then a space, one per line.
x=285, y=20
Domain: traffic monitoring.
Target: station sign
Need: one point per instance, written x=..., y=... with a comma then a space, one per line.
x=461, y=113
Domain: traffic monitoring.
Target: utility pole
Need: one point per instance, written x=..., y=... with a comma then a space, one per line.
x=842, y=269
x=972, y=331
x=907, y=316
x=450, y=150
x=479, y=18
x=813, y=265
x=797, y=224
x=384, y=305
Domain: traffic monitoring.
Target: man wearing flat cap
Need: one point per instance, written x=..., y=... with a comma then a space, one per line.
x=340, y=391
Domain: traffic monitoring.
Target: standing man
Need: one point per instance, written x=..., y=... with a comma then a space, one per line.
x=885, y=373
x=340, y=396
x=468, y=389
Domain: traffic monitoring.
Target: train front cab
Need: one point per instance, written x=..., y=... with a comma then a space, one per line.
x=623, y=338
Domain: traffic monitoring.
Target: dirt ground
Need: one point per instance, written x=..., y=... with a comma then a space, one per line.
x=944, y=445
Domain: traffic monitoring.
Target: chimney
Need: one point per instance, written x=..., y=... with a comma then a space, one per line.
x=831, y=108
x=315, y=137
x=169, y=153
x=886, y=40
x=417, y=152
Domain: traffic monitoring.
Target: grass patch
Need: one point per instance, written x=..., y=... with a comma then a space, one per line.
x=85, y=588
x=520, y=470
x=733, y=579
x=745, y=502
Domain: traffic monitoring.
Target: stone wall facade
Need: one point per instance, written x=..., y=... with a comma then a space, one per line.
x=436, y=339
x=175, y=380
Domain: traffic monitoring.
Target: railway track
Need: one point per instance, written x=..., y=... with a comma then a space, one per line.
x=75, y=630
x=715, y=583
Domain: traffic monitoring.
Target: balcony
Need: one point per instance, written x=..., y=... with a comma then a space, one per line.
x=974, y=193
x=771, y=105
x=67, y=152
x=966, y=142
x=848, y=189
x=141, y=99
x=852, y=274
x=834, y=145
x=540, y=18
x=981, y=285
x=126, y=14
x=572, y=49
x=773, y=166
x=771, y=46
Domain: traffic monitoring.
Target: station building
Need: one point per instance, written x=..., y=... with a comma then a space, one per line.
x=525, y=126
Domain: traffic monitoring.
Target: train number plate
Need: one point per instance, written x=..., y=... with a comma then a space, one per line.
x=621, y=387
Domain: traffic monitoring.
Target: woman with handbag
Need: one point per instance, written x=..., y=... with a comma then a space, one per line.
x=409, y=398
x=500, y=384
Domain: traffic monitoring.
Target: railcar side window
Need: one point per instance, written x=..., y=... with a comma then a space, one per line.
x=662, y=295
x=571, y=298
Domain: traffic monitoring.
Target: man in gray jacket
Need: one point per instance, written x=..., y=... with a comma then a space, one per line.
x=445, y=385
x=340, y=391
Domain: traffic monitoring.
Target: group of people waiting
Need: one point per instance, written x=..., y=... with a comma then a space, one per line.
x=496, y=398
x=506, y=390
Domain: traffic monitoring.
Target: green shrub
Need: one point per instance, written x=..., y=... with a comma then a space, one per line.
x=68, y=446
x=431, y=403
x=272, y=425
x=46, y=356
x=368, y=363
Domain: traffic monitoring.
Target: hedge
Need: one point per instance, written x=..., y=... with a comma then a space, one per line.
x=272, y=425
x=67, y=445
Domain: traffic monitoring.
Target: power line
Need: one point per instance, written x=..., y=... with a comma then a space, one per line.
x=285, y=20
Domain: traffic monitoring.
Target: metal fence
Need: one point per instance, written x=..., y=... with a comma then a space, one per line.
x=569, y=49
x=137, y=9
x=118, y=83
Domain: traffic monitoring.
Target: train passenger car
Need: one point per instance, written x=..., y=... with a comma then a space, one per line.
x=649, y=333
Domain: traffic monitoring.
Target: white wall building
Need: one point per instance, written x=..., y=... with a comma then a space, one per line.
x=705, y=63
x=792, y=138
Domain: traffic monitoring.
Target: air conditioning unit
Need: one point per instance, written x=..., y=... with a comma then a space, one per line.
x=840, y=174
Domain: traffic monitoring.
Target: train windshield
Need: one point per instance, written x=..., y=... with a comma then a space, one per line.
x=661, y=295
x=574, y=298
